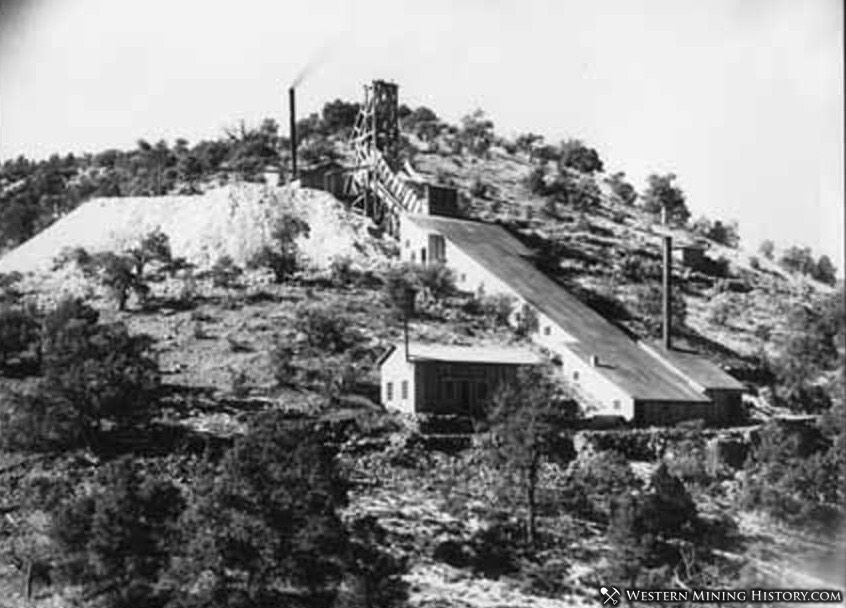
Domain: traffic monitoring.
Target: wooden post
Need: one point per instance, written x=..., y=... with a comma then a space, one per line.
x=667, y=295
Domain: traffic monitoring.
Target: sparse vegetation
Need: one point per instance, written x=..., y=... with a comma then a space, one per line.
x=209, y=467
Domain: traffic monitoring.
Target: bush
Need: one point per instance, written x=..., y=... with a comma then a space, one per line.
x=795, y=481
x=479, y=188
x=623, y=191
x=527, y=322
x=477, y=133
x=327, y=328
x=662, y=194
x=225, y=273
x=117, y=274
x=576, y=155
x=496, y=309
x=798, y=260
x=266, y=530
x=717, y=231
x=766, y=249
x=536, y=181
x=36, y=422
x=283, y=257
x=637, y=269
x=18, y=332
x=102, y=373
x=824, y=271
x=595, y=482
x=341, y=270
x=643, y=527
x=433, y=281
x=9, y=292
x=116, y=542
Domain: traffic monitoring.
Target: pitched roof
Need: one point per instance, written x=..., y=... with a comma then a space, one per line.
x=620, y=359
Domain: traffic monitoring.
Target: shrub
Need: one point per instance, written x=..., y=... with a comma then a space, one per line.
x=798, y=260
x=623, y=191
x=341, y=270
x=477, y=133
x=18, y=332
x=36, y=422
x=536, y=181
x=662, y=194
x=527, y=322
x=375, y=574
x=717, y=231
x=327, y=328
x=794, y=480
x=225, y=273
x=118, y=276
x=637, y=269
x=595, y=482
x=269, y=519
x=496, y=309
x=9, y=292
x=282, y=257
x=479, y=188
x=102, y=373
x=576, y=155
x=766, y=249
x=116, y=542
x=433, y=281
x=824, y=271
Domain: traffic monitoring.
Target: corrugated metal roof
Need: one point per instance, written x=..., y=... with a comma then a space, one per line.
x=419, y=351
x=620, y=359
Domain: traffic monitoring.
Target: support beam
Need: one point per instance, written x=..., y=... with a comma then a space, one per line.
x=667, y=326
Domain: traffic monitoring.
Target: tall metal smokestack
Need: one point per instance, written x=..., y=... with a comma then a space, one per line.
x=292, y=114
x=667, y=295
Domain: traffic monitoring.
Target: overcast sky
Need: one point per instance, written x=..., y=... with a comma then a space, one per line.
x=742, y=99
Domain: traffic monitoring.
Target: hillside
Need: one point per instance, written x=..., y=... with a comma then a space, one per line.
x=230, y=347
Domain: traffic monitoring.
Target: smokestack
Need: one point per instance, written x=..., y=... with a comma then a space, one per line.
x=292, y=113
x=668, y=285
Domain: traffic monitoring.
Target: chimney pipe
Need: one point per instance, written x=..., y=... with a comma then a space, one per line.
x=668, y=285
x=292, y=114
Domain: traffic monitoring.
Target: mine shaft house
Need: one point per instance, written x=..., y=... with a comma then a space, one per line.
x=447, y=380
x=610, y=374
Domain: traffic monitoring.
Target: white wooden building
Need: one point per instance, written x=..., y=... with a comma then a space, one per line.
x=445, y=379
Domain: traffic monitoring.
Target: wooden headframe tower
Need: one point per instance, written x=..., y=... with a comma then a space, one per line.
x=379, y=192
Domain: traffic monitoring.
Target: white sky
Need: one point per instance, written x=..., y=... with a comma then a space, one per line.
x=742, y=99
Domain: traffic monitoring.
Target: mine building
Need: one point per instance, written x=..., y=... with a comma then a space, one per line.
x=446, y=379
x=612, y=375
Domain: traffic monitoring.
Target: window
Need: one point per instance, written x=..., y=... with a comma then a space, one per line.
x=547, y=330
x=404, y=390
x=389, y=391
x=576, y=376
x=463, y=277
x=407, y=243
x=413, y=258
x=616, y=404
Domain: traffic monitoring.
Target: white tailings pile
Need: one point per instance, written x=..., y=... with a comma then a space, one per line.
x=235, y=220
